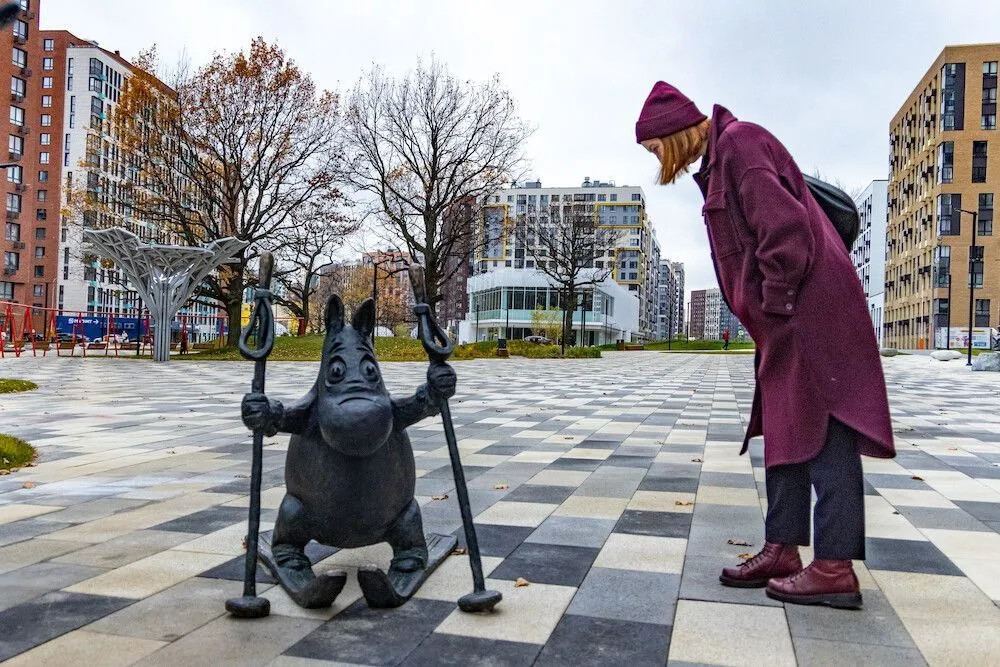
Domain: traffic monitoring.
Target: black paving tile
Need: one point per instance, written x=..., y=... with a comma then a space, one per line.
x=659, y=524
x=52, y=615
x=547, y=564
x=907, y=556
x=540, y=493
x=206, y=521
x=496, y=540
x=366, y=636
x=583, y=640
x=983, y=511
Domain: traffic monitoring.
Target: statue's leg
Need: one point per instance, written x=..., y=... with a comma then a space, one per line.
x=289, y=564
x=414, y=557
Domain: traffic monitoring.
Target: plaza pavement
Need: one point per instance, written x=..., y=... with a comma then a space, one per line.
x=613, y=486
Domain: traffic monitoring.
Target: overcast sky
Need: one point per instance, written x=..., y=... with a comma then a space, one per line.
x=825, y=77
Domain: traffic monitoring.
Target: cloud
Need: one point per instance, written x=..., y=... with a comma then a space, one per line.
x=824, y=77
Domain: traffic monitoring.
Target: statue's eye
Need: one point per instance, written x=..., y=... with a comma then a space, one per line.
x=337, y=372
x=369, y=370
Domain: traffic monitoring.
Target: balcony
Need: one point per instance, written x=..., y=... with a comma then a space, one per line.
x=23, y=129
x=19, y=245
x=20, y=39
x=16, y=97
x=20, y=187
x=26, y=72
x=9, y=270
x=13, y=215
x=14, y=156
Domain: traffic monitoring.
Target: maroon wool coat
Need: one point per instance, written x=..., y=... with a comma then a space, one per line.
x=786, y=275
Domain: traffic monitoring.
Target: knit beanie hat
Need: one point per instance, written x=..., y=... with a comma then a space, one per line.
x=667, y=110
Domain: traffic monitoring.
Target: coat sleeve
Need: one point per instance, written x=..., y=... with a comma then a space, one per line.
x=785, y=242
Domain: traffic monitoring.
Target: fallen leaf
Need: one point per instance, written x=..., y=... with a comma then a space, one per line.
x=241, y=476
x=895, y=512
x=745, y=556
x=4, y=472
x=696, y=460
x=443, y=496
x=458, y=551
x=683, y=503
x=918, y=478
x=740, y=543
x=170, y=451
x=29, y=464
x=500, y=487
x=521, y=581
x=28, y=485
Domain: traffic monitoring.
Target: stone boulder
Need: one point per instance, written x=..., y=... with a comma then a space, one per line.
x=888, y=352
x=987, y=361
x=946, y=355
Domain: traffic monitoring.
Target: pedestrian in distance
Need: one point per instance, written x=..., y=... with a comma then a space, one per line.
x=725, y=339
x=820, y=399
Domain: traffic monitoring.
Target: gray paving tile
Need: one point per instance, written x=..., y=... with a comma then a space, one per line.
x=627, y=595
x=824, y=653
x=876, y=623
x=573, y=531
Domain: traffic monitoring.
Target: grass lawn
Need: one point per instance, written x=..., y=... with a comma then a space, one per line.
x=14, y=452
x=309, y=348
x=10, y=386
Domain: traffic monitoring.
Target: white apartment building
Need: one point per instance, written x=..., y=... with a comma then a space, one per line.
x=633, y=257
x=670, y=308
x=869, y=251
x=713, y=313
x=91, y=161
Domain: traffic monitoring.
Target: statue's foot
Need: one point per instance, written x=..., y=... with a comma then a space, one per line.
x=293, y=570
x=405, y=577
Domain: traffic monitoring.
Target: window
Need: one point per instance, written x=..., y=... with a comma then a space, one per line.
x=43, y=195
x=15, y=145
x=39, y=233
x=39, y=252
x=39, y=291
x=989, y=121
x=978, y=161
x=15, y=174
x=20, y=29
x=47, y=101
x=46, y=82
x=43, y=176
x=13, y=202
x=17, y=116
x=41, y=214
x=976, y=265
x=39, y=271
x=12, y=232
x=49, y=45
x=43, y=157
x=7, y=291
x=17, y=86
x=46, y=120
x=946, y=162
x=985, y=218
x=19, y=57
x=48, y=63
x=612, y=197
x=953, y=96
x=45, y=138
x=636, y=196
x=949, y=219
x=11, y=260
x=982, y=313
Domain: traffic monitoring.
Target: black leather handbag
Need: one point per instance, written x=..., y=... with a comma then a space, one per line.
x=839, y=208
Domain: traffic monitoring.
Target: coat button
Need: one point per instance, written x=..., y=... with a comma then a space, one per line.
x=788, y=306
x=791, y=292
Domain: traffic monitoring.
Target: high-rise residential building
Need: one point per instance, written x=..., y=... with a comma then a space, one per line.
x=696, y=321
x=868, y=252
x=944, y=166
x=670, y=291
x=454, y=304
x=31, y=228
x=713, y=313
x=678, y=268
x=729, y=322
x=507, y=285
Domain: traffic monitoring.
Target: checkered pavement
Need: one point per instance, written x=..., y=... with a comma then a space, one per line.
x=613, y=486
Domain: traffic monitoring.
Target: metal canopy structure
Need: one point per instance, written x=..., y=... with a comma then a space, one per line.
x=164, y=275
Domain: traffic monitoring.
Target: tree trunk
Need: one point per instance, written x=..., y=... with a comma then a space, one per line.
x=234, y=306
x=567, y=323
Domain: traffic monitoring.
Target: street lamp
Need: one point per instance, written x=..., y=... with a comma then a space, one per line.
x=973, y=252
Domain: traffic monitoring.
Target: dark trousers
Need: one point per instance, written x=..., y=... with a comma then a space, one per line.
x=840, y=499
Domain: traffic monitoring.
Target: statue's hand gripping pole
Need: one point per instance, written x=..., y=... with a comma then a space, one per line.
x=439, y=347
x=262, y=326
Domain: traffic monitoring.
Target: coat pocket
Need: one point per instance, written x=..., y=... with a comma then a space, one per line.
x=721, y=231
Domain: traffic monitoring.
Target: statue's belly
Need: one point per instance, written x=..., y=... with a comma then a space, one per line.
x=349, y=501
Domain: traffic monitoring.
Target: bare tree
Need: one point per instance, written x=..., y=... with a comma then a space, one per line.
x=569, y=247
x=307, y=248
x=243, y=147
x=425, y=144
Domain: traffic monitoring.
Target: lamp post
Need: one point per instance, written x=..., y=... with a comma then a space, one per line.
x=972, y=278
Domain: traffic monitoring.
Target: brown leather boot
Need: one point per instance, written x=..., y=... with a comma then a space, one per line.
x=826, y=582
x=774, y=560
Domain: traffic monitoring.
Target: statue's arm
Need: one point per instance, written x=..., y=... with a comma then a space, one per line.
x=294, y=417
x=408, y=410
x=261, y=412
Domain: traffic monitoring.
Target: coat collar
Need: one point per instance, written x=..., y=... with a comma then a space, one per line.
x=721, y=119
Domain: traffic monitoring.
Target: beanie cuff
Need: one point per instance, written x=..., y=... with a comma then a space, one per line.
x=664, y=125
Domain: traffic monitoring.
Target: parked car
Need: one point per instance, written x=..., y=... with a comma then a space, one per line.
x=537, y=340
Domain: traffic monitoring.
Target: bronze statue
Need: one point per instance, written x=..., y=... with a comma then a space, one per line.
x=349, y=472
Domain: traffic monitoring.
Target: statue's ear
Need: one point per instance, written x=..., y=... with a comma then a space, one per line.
x=364, y=318
x=334, y=314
